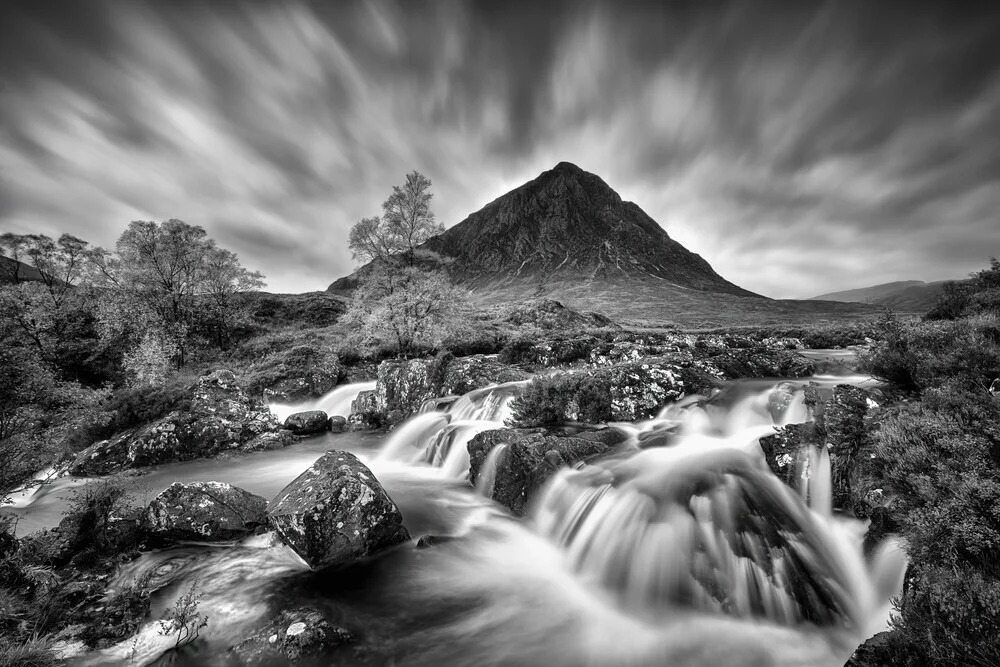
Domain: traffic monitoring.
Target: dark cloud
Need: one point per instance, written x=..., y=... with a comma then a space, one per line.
x=799, y=147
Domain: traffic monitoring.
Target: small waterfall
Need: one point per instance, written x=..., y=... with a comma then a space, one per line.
x=335, y=402
x=441, y=439
x=703, y=524
x=488, y=476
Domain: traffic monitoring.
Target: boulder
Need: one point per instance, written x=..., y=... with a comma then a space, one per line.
x=364, y=411
x=640, y=390
x=464, y=374
x=531, y=457
x=203, y=511
x=296, y=634
x=336, y=512
x=221, y=417
x=270, y=440
x=761, y=363
x=338, y=424
x=308, y=422
x=403, y=385
x=304, y=372
x=784, y=450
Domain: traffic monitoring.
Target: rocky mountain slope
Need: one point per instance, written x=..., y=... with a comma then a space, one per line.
x=905, y=295
x=568, y=235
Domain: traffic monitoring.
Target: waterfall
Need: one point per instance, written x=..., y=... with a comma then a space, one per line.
x=441, y=439
x=335, y=402
x=488, y=477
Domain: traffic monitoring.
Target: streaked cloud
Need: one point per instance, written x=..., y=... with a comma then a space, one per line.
x=800, y=148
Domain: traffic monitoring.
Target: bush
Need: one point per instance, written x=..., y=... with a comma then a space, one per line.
x=940, y=463
x=551, y=400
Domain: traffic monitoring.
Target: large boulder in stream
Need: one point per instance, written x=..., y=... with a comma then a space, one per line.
x=221, y=417
x=308, y=422
x=203, y=511
x=529, y=458
x=336, y=512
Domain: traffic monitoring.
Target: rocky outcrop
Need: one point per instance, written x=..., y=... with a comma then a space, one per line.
x=203, y=511
x=303, y=634
x=308, y=422
x=530, y=457
x=404, y=385
x=336, y=512
x=301, y=373
x=221, y=417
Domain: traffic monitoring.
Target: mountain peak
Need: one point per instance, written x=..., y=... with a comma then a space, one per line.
x=567, y=234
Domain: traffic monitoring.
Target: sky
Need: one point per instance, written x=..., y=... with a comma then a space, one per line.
x=799, y=147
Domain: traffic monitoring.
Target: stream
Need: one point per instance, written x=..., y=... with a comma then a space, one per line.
x=689, y=554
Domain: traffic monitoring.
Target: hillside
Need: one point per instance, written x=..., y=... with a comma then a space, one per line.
x=907, y=295
x=569, y=236
x=9, y=268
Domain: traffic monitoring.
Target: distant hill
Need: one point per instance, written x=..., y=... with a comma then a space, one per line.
x=904, y=295
x=567, y=235
x=24, y=272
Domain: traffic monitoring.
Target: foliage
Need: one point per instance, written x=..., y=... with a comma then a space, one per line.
x=407, y=221
x=979, y=295
x=403, y=309
x=551, y=400
x=149, y=362
x=184, y=619
x=171, y=278
x=919, y=356
x=941, y=465
x=100, y=516
x=33, y=652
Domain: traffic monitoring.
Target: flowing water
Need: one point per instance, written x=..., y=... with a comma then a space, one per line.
x=677, y=549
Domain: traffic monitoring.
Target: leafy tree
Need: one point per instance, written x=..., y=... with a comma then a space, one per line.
x=407, y=221
x=400, y=305
x=173, y=278
x=404, y=309
x=53, y=313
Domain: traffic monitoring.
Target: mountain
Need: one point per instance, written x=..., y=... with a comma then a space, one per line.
x=568, y=235
x=24, y=272
x=905, y=295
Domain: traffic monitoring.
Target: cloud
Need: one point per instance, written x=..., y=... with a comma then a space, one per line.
x=800, y=150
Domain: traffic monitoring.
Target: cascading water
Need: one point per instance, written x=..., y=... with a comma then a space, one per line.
x=335, y=402
x=681, y=548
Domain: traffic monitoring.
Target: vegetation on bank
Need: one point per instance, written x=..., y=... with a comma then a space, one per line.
x=935, y=457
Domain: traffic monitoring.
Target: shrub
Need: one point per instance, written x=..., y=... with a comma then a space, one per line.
x=551, y=400
x=940, y=463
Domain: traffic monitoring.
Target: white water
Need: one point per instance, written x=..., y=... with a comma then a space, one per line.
x=335, y=402
x=672, y=555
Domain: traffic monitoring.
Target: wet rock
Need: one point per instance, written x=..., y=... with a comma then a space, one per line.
x=364, y=411
x=221, y=417
x=295, y=635
x=640, y=390
x=465, y=374
x=531, y=458
x=428, y=541
x=270, y=440
x=338, y=423
x=203, y=511
x=403, y=385
x=336, y=512
x=749, y=363
x=784, y=451
x=305, y=372
x=292, y=390
x=308, y=422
